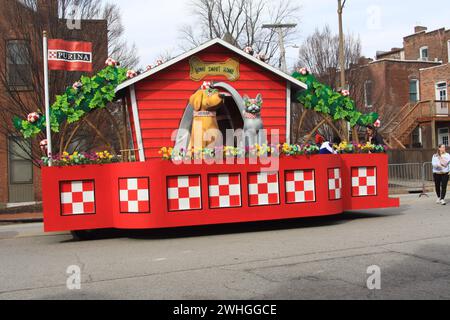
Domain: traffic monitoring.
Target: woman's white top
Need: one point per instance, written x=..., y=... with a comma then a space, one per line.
x=441, y=165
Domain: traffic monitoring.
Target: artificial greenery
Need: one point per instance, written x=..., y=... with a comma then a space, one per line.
x=323, y=99
x=83, y=97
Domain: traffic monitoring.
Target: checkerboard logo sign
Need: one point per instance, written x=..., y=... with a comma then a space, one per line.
x=77, y=198
x=134, y=195
x=225, y=191
x=184, y=193
x=335, y=184
x=364, y=181
x=52, y=55
x=300, y=186
x=263, y=189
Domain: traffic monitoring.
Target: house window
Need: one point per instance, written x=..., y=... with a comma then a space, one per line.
x=414, y=91
x=20, y=164
x=368, y=88
x=18, y=64
x=424, y=53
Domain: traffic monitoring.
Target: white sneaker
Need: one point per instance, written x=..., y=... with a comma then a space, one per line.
x=443, y=202
x=438, y=201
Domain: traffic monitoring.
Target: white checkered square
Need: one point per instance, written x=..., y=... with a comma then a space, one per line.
x=364, y=181
x=335, y=184
x=263, y=189
x=77, y=198
x=134, y=195
x=184, y=193
x=225, y=191
x=300, y=186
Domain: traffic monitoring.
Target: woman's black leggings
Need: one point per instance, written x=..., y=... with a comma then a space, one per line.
x=441, y=181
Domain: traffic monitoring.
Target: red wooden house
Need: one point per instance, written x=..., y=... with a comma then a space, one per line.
x=157, y=99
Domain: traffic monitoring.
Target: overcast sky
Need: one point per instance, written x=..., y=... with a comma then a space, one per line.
x=154, y=25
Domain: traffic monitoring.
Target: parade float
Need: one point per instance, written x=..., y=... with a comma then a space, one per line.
x=173, y=182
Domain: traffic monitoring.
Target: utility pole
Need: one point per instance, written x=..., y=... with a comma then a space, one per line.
x=279, y=29
x=341, y=5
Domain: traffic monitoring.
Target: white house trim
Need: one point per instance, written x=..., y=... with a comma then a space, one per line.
x=204, y=46
x=137, y=124
x=288, y=112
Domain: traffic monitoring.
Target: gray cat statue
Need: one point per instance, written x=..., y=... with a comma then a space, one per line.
x=253, y=124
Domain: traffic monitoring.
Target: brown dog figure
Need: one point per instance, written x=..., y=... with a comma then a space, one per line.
x=205, y=129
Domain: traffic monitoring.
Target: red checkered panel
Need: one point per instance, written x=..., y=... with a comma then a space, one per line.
x=300, y=186
x=335, y=184
x=134, y=195
x=77, y=198
x=364, y=181
x=263, y=189
x=225, y=191
x=184, y=193
x=52, y=55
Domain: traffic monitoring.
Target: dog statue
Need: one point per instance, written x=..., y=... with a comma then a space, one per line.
x=253, y=124
x=205, y=128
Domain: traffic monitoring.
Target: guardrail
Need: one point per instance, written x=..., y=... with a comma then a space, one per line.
x=411, y=178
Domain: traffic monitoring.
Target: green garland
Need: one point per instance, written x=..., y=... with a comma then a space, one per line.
x=323, y=99
x=90, y=93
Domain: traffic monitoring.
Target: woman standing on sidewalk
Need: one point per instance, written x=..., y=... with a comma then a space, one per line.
x=441, y=162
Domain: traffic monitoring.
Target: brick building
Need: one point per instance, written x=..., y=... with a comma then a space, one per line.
x=409, y=87
x=21, y=36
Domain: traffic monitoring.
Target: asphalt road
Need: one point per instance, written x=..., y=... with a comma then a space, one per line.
x=324, y=258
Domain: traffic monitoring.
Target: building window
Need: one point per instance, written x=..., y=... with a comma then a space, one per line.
x=414, y=91
x=417, y=138
x=368, y=88
x=424, y=53
x=18, y=64
x=20, y=164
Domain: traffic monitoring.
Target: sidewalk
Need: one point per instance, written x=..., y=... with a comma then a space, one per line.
x=21, y=217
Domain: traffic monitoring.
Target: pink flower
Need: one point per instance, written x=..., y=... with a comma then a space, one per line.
x=249, y=50
x=131, y=74
x=206, y=85
x=149, y=67
x=77, y=85
x=377, y=124
x=111, y=62
x=261, y=56
x=33, y=117
x=345, y=93
x=303, y=71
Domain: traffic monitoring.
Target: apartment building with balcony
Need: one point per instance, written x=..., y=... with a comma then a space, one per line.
x=409, y=87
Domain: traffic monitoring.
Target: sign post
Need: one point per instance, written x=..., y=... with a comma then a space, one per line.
x=47, y=101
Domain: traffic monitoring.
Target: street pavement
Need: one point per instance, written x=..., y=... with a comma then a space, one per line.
x=325, y=258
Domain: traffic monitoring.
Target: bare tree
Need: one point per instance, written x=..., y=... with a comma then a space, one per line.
x=320, y=54
x=21, y=79
x=241, y=21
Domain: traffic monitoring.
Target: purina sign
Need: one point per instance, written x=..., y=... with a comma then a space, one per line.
x=69, y=55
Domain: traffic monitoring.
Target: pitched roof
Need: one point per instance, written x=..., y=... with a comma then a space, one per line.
x=203, y=47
